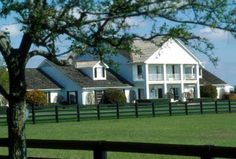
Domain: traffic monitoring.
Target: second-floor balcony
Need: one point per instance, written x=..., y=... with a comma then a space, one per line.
x=172, y=77
x=190, y=77
x=156, y=77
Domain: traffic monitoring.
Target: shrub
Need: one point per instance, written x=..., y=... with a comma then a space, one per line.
x=232, y=96
x=113, y=96
x=208, y=91
x=36, y=98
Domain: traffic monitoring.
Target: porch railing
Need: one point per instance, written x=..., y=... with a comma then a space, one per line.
x=190, y=77
x=156, y=77
x=171, y=77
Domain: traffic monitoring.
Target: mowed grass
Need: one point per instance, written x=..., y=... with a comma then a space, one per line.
x=213, y=129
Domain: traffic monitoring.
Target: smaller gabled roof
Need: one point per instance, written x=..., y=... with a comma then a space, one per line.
x=210, y=78
x=36, y=79
x=88, y=64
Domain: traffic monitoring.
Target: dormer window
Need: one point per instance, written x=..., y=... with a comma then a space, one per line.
x=94, y=69
x=99, y=73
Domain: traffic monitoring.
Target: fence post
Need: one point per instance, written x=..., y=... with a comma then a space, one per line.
x=98, y=111
x=186, y=108
x=78, y=112
x=56, y=113
x=216, y=107
x=136, y=110
x=99, y=154
x=230, y=106
x=33, y=114
x=170, y=109
x=207, y=152
x=153, y=109
x=117, y=111
x=201, y=110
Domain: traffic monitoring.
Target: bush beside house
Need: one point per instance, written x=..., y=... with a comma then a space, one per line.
x=36, y=98
x=208, y=91
x=113, y=96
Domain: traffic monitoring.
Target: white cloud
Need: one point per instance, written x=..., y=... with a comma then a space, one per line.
x=136, y=22
x=214, y=34
x=13, y=29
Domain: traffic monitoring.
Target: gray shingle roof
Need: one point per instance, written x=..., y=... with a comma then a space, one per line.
x=145, y=50
x=113, y=79
x=209, y=78
x=35, y=79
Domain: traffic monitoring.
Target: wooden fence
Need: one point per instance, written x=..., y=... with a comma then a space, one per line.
x=100, y=148
x=78, y=113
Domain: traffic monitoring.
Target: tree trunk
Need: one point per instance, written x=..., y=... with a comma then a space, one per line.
x=16, y=129
x=16, y=114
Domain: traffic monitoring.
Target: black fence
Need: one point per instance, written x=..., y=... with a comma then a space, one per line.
x=100, y=148
x=77, y=113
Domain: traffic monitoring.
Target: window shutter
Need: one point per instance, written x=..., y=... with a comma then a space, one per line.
x=95, y=72
x=103, y=72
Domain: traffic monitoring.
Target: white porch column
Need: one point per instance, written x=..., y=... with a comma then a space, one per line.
x=198, y=81
x=146, y=81
x=182, y=78
x=165, y=79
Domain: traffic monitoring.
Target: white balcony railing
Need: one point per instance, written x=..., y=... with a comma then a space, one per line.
x=156, y=77
x=172, y=77
x=190, y=77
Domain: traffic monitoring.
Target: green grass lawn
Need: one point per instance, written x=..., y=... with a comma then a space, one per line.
x=213, y=129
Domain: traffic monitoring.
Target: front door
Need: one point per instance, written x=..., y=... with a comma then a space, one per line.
x=141, y=93
x=160, y=93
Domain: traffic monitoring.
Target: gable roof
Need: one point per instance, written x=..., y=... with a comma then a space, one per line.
x=209, y=78
x=148, y=48
x=36, y=79
x=76, y=75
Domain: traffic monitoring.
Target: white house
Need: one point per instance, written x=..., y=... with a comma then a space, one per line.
x=82, y=83
x=158, y=71
x=155, y=72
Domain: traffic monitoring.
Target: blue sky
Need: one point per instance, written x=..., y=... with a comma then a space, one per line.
x=225, y=49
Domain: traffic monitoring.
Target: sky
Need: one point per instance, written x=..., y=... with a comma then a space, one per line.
x=225, y=49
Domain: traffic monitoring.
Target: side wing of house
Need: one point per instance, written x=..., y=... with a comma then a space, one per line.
x=35, y=79
x=71, y=91
x=209, y=78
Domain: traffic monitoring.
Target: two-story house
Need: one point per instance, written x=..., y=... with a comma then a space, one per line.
x=156, y=71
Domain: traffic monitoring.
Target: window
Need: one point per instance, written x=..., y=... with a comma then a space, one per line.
x=188, y=70
x=139, y=71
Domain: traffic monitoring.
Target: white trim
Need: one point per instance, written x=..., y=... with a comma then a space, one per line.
x=94, y=88
x=187, y=50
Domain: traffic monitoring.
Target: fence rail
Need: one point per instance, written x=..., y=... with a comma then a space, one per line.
x=100, y=148
x=77, y=113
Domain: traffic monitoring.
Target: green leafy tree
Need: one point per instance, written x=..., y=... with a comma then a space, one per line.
x=208, y=91
x=103, y=26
